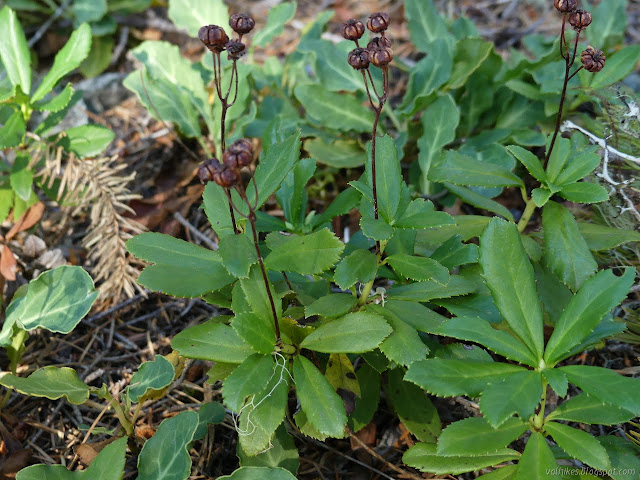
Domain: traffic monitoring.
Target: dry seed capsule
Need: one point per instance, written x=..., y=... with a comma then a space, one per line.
x=241, y=23
x=353, y=29
x=580, y=19
x=378, y=42
x=593, y=59
x=565, y=6
x=227, y=178
x=208, y=170
x=235, y=49
x=213, y=37
x=244, y=144
x=378, y=22
x=359, y=58
x=381, y=57
x=237, y=158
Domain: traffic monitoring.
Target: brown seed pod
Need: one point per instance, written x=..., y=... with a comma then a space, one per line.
x=213, y=37
x=565, y=6
x=242, y=145
x=359, y=58
x=378, y=22
x=235, y=49
x=353, y=29
x=209, y=169
x=378, y=42
x=381, y=57
x=580, y=19
x=227, y=178
x=236, y=158
x=593, y=59
x=241, y=23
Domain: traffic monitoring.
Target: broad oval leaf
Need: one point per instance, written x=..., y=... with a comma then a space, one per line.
x=190, y=15
x=508, y=273
x=425, y=458
x=404, y=346
x=425, y=23
x=154, y=375
x=278, y=17
x=319, y=401
x=354, y=333
x=50, y=382
x=308, y=254
x=87, y=140
x=13, y=131
x=212, y=341
x=238, y=254
x=263, y=473
x=165, y=456
x=57, y=300
x=282, y=453
x=108, y=465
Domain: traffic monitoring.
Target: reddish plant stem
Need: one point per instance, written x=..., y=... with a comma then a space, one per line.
x=217, y=76
x=254, y=231
x=569, y=60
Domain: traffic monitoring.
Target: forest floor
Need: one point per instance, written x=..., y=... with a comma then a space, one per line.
x=109, y=345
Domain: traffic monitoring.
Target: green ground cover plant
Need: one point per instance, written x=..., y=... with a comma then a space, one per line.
x=417, y=303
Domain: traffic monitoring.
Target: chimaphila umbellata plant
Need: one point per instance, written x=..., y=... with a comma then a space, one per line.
x=355, y=318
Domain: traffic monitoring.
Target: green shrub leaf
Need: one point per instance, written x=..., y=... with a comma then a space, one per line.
x=421, y=214
x=334, y=110
x=537, y=460
x=603, y=237
x=50, y=382
x=586, y=409
x=318, y=400
x=212, y=341
x=566, y=251
x=480, y=331
x=249, y=378
x=354, y=333
x=282, y=453
x=425, y=458
x=475, y=436
x=238, y=254
x=333, y=305
x=190, y=15
x=584, y=192
x=14, y=50
x=607, y=385
x=509, y=276
x=68, y=59
x=519, y=393
x=413, y=407
x=530, y=162
x=13, y=131
x=579, y=444
x=87, y=140
x=459, y=169
x=404, y=346
x=449, y=378
x=278, y=17
x=307, y=254
x=597, y=297
x=180, y=268
x=426, y=25
x=419, y=268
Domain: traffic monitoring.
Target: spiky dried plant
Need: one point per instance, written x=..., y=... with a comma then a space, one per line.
x=100, y=185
